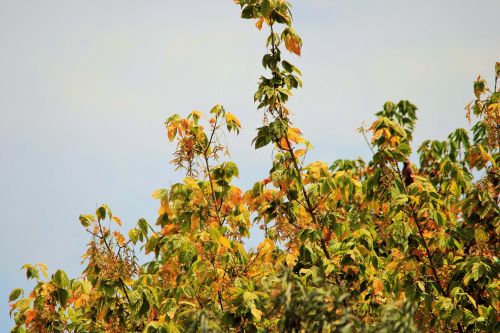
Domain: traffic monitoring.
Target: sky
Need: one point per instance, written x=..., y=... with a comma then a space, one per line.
x=86, y=85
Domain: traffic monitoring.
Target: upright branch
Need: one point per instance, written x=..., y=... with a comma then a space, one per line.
x=273, y=93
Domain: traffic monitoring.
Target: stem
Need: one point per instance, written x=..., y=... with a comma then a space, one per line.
x=279, y=109
x=414, y=214
x=366, y=140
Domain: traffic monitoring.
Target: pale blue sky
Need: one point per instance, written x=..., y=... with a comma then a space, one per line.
x=85, y=87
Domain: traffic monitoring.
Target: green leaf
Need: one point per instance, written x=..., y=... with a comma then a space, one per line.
x=15, y=294
x=143, y=225
x=62, y=295
x=101, y=213
x=86, y=220
x=60, y=278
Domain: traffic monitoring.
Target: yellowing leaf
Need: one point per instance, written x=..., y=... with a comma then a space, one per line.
x=195, y=221
x=266, y=246
x=300, y=152
x=224, y=242
x=294, y=135
x=232, y=118
x=43, y=269
x=196, y=114
x=158, y=194
x=117, y=220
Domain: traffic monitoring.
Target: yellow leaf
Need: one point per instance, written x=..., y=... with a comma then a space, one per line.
x=232, y=118
x=300, y=152
x=294, y=135
x=256, y=313
x=43, y=269
x=493, y=107
x=117, y=220
x=266, y=246
x=158, y=194
x=224, y=242
x=290, y=259
x=197, y=114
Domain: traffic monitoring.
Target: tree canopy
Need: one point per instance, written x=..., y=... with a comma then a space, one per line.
x=384, y=245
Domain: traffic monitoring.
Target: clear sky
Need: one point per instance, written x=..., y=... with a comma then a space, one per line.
x=85, y=87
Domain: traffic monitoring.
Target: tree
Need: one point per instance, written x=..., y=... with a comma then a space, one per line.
x=350, y=246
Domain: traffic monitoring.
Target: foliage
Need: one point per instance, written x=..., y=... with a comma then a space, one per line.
x=350, y=246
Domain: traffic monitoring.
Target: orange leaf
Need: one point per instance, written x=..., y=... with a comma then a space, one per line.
x=258, y=24
x=195, y=221
x=117, y=220
x=171, y=132
x=284, y=144
x=30, y=316
x=119, y=238
x=292, y=44
x=169, y=229
x=378, y=286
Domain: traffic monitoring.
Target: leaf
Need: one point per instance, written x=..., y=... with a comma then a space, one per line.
x=62, y=295
x=378, y=286
x=169, y=229
x=258, y=24
x=15, y=294
x=87, y=220
x=119, y=238
x=143, y=225
x=43, y=269
x=267, y=246
x=232, y=122
x=224, y=242
x=293, y=44
x=159, y=194
x=30, y=316
x=256, y=313
x=101, y=213
x=195, y=221
x=60, y=278
x=117, y=220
